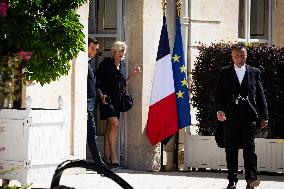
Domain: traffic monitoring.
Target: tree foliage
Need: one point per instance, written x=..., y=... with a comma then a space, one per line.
x=50, y=29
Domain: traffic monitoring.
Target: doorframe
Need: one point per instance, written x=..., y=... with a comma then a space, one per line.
x=119, y=35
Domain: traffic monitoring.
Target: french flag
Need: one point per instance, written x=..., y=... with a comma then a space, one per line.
x=162, y=116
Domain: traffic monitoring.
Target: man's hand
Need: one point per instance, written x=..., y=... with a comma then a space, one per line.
x=221, y=116
x=263, y=123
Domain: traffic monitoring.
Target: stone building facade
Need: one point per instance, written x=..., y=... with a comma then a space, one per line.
x=139, y=23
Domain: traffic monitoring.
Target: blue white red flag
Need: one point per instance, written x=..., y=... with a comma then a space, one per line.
x=162, y=116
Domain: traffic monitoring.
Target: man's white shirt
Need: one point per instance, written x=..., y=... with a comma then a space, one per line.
x=240, y=72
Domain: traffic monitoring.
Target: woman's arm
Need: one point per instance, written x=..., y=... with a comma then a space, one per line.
x=136, y=71
x=100, y=74
x=101, y=96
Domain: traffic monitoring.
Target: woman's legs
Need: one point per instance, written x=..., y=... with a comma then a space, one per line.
x=107, y=144
x=111, y=138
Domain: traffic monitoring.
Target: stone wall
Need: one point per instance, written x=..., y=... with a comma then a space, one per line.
x=278, y=23
x=210, y=21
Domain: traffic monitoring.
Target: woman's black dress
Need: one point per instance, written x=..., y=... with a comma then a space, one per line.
x=110, y=80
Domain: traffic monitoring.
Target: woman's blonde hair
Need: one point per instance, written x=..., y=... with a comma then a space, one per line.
x=118, y=46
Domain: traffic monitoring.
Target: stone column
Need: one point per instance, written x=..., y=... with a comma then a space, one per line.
x=79, y=93
x=143, y=33
x=277, y=23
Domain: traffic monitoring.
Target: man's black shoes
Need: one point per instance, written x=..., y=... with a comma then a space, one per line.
x=232, y=185
x=253, y=183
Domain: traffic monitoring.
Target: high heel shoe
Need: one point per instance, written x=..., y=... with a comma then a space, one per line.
x=114, y=165
x=105, y=162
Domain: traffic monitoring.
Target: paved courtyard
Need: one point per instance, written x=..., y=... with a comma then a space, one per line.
x=167, y=180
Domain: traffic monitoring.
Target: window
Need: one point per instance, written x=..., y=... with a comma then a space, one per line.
x=255, y=20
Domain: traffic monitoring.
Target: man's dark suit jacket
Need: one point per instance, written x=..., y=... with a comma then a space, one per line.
x=91, y=88
x=228, y=90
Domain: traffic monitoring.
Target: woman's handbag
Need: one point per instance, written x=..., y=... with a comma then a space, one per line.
x=126, y=101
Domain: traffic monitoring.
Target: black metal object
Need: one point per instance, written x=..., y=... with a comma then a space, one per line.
x=88, y=165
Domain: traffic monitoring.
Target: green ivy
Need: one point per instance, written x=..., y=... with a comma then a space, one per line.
x=50, y=29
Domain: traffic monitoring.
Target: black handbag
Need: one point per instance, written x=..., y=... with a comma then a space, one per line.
x=126, y=101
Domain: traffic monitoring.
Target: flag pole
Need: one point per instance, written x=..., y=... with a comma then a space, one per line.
x=178, y=5
x=164, y=4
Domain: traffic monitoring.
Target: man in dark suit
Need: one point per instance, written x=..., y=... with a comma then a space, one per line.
x=240, y=102
x=93, y=47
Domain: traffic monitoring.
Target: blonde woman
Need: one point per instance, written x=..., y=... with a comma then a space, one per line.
x=111, y=76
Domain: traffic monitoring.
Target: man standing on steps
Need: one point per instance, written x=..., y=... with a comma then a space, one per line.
x=240, y=102
x=93, y=47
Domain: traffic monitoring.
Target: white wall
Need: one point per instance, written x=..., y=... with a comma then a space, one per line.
x=73, y=88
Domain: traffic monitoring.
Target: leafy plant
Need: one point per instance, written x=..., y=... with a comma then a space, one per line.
x=50, y=29
x=15, y=168
x=15, y=187
x=269, y=59
x=11, y=75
